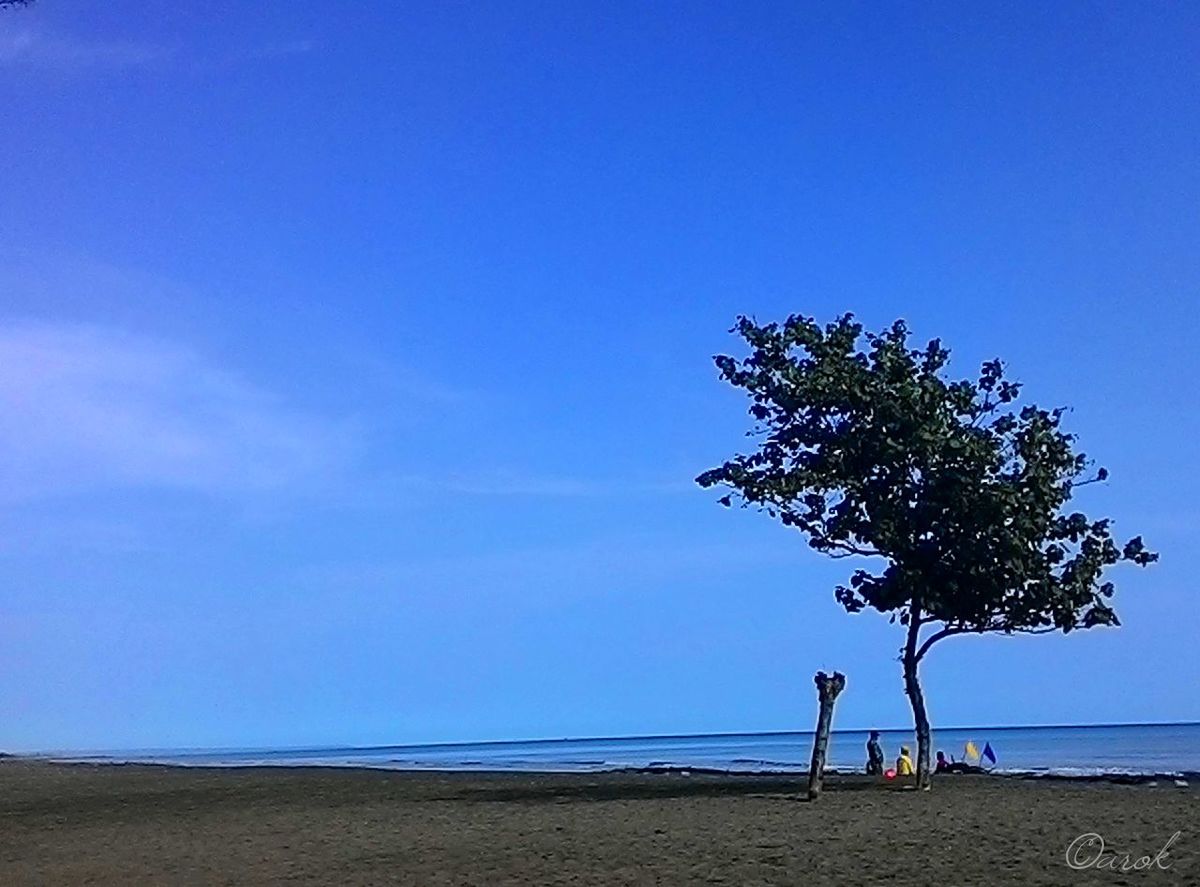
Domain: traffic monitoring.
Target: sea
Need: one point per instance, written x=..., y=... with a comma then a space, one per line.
x=1128, y=749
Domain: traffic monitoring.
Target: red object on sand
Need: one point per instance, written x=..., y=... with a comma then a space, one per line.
x=889, y=774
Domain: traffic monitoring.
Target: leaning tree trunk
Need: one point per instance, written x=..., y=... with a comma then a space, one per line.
x=912, y=686
x=828, y=688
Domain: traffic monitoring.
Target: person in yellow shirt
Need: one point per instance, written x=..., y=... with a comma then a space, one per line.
x=904, y=764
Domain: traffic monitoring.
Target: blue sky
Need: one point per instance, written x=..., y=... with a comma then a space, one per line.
x=355, y=360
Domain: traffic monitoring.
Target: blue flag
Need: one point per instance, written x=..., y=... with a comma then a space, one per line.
x=988, y=753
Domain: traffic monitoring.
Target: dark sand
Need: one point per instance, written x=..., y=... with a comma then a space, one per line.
x=82, y=824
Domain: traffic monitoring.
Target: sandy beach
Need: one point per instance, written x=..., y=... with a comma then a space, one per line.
x=114, y=824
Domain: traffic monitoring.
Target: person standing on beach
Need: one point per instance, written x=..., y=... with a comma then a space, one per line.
x=874, y=755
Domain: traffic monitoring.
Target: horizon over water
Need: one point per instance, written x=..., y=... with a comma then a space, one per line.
x=1067, y=750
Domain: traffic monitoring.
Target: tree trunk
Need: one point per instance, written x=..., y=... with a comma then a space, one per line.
x=828, y=688
x=912, y=686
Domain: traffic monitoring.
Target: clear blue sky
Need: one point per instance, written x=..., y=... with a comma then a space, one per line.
x=355, y=358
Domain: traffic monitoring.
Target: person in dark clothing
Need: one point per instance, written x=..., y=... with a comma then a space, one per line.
x=874, y=755
x=944, y=766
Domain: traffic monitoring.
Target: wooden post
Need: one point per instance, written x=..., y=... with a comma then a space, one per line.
x=828, y=688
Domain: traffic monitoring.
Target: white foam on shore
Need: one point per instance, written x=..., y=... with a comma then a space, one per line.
x=1082, y=772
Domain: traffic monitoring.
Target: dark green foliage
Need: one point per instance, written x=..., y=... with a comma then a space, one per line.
x=871, y=451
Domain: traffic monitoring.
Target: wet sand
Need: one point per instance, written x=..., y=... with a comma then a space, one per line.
x=113, y=824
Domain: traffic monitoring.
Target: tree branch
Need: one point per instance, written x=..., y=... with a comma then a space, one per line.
x=951, y=630
x=946, y=632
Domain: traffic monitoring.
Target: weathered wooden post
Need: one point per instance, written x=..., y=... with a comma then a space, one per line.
x=828, y=688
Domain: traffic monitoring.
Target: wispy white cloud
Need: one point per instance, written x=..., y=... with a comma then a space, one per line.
x=31, y=47
x=85, y=407
x=35, y=47
x=88, y=406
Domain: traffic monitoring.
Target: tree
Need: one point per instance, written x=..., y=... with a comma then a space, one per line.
x=829, y=687
x=956, y=493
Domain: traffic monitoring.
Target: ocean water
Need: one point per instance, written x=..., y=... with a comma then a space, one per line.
x=1067, y=751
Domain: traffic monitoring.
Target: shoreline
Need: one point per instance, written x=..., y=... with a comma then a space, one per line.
x=1121, y=753
x=1116, y=777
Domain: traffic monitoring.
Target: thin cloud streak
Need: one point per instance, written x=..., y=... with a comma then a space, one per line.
x=34, y=48
x=85, y=408
x=29, y=47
